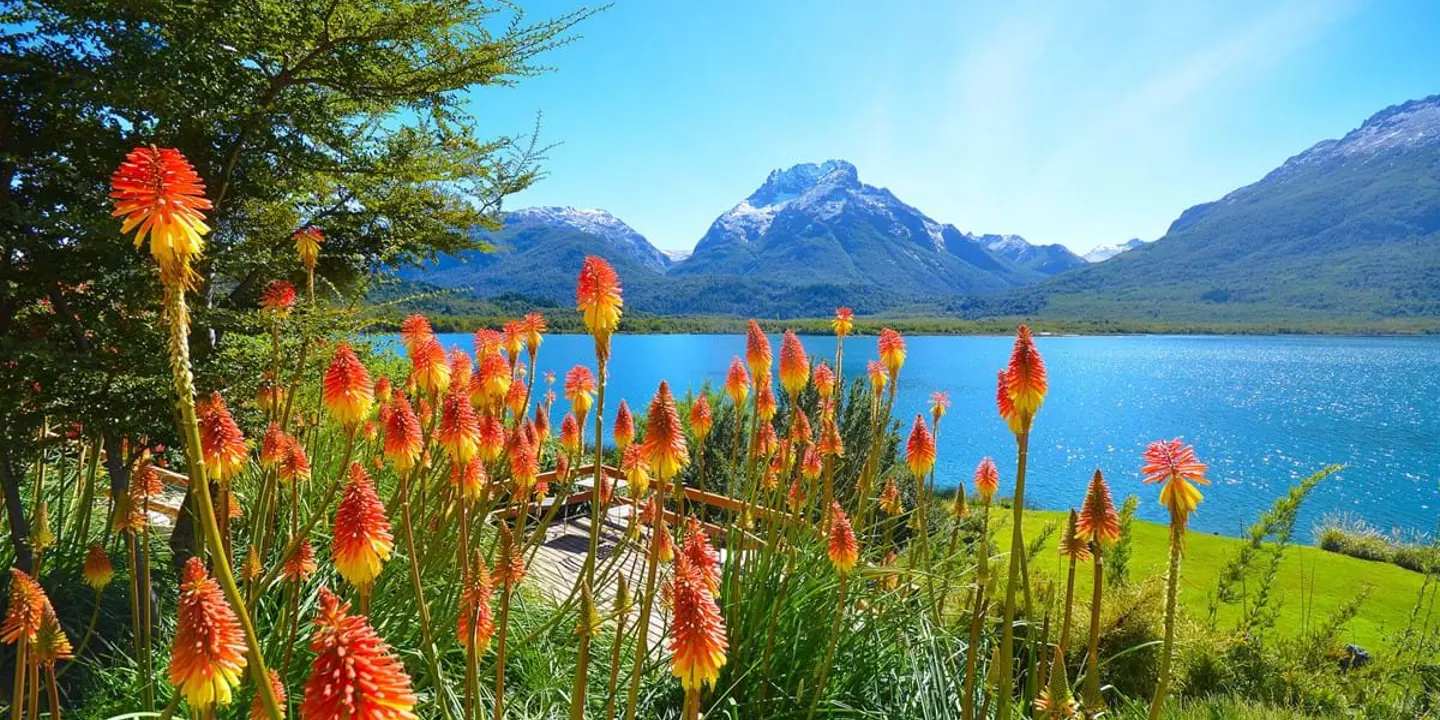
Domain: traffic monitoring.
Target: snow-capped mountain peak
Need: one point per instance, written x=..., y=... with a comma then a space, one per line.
x=598, y=223
x=1101, y=253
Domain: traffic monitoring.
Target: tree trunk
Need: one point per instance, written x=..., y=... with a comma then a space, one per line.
x=15, y=510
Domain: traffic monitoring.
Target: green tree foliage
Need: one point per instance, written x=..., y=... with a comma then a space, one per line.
x=343, y=114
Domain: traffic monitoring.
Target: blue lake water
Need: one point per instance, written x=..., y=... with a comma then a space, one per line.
x=1262, y=411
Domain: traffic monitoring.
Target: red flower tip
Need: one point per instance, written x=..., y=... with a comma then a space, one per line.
x=580, y=390
x=459, y=431
x=414, y=329
x=824, y=379
x=98, y=571
x=701, y=555
x=277, y=687
x=402, y=434
x=300, y=564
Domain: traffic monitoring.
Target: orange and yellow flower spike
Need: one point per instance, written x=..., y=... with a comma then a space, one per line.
x=349, y=391
x=843, y=549
x=598, y=299
x=159, y=195
x=920, y=449
x=794, y=365
x=697, y=631
x=222, y=445
x=362, y=540
x=666, y=451
x=209, y=650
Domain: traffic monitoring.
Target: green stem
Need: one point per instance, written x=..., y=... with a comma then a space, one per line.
x=1094, y=703
x=834, y=640
x=1172, y=587
x=190, y=429
x=1006, y=681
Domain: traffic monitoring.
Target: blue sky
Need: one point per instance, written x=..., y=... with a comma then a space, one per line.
x=1081, y=123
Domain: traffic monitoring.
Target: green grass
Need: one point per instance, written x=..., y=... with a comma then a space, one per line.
x=1312, y=583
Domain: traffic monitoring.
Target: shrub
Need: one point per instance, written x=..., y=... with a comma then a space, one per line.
x=1350, y=535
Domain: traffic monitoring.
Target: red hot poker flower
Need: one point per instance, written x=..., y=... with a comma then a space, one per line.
x=274, y=446
x=402, y=434
x=697, y=631
x=1072, y=544
x=1174, y=463
x=509, y=560
x=222, y=444
x=459, y=431
x=939, y=405
x=477, y=620
x=348, y=391
x=878, y=377
x=492, y=438
x=624, y=427
x=665, y=448
x=844, y=321
x=597, y=297
x=794, y=365
x=920, y=449
x=534, y=331
x=570, y=433
x=987, y=479
x=257, y=706
x=1025, y=377
x=892, y=351
x=354, y=676
x=300, y=564
x=414, y=329
x=700, y=418
x=757, y=350
x=28, y=604
x=1098, y=520
x=209, y=650
x=844, y=550
x=824, y=379
x=580, y=390
x=294, y=464
x=98, y=571
x=737, y=383
x=765, y=406
x=428, y=368
x=158, y=194
x=278, y=297
x=362, y=541
x=307, y=245
x=703, y=558
x=1005, y=404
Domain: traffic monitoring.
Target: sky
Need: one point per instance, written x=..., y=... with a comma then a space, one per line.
x=1082, y=123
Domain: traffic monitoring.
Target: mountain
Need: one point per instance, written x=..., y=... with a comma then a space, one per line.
x=1044, y=259
x=1348, y=229
x=1101, y=253
x=538, y=251
x=817, y=223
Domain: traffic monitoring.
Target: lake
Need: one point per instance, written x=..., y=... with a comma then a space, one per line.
x=1262, y=411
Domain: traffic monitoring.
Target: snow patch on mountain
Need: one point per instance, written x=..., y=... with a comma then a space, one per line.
x=591, y=222
x=1101, y=253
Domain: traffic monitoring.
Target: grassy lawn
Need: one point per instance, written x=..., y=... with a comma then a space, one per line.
x=1321, y=581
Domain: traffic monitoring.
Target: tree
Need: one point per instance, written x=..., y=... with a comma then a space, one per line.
x=349, y=115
